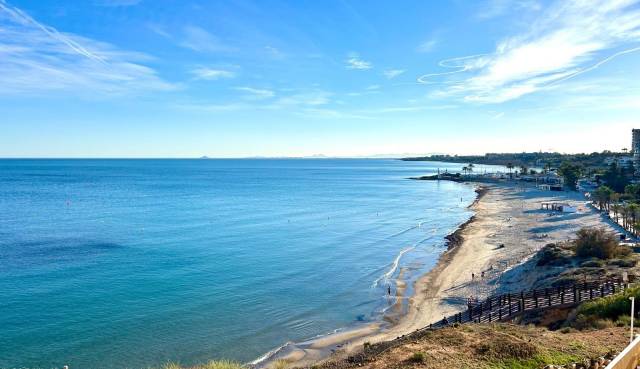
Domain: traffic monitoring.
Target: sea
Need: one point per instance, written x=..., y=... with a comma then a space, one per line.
x=135, y=263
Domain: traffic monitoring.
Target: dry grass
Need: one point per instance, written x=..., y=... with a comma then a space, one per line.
x=213, y=364
x=489, y=346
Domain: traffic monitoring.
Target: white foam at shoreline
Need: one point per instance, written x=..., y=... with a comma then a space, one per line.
x=385, y=277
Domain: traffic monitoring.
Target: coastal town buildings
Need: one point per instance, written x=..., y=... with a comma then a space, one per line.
x=621, y=161
x=635, y=146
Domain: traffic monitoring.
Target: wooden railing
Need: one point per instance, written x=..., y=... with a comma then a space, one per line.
x=508, y=306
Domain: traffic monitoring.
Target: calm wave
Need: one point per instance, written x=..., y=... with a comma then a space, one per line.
x=107, y=263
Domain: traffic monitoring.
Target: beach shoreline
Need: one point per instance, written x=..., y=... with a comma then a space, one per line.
x=334, y=345
x=506, y=229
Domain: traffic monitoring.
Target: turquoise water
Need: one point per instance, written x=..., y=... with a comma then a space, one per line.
x=114, y=263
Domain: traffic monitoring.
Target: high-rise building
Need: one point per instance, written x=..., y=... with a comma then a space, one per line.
x=635, y=147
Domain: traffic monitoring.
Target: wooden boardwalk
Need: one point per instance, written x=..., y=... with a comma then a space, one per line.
x=508, y=306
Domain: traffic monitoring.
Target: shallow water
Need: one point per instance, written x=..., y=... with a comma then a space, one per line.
x=113, y=263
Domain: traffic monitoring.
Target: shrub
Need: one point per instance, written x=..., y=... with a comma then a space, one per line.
x=506, y=347
x=566, y=330
x=417, y=357
x=594, y=263
x=623, y=321
x=597, y=242
x=221, y=364
x=604, y=311
x=623, y=263
x=553, y=254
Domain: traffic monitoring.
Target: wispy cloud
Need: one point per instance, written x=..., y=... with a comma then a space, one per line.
x=497, y=8
x=354, y=62
x=569, y=39
x=199, y=39
x=308, y=98
x=36, y=57
x=428, y=45
x=393, y=73
x=211, y=74
x=256, y=93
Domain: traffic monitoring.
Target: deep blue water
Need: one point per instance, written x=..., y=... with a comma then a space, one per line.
x=114, y=263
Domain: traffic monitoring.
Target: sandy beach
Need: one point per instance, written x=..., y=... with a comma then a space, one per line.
x=508, y=228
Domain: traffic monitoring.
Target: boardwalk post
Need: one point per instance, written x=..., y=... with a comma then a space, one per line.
x=562, y=296
x=546, y=292
x=535, y=298
x=575, y=295
x=522, y=301
x=509, y=300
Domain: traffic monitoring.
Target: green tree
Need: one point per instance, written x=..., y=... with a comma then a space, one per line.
x=570, y=173
x=510, y=167
x=616, y=177
x=602, y=195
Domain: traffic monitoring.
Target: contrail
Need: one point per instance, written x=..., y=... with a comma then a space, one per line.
x=25, y=19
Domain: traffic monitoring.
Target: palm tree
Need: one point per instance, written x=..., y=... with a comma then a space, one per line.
x=633, y=214
x=465, y=169
x=523, y=169
x=510, y=167
x=470, y=168
x=636, y=229
x=616, y=211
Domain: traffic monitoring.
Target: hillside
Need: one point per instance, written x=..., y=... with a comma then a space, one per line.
x=488, y=346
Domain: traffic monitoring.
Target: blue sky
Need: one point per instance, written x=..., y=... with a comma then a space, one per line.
x=143, y=78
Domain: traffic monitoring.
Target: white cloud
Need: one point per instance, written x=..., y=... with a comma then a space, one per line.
x=200, y=40
x=354, y=62
x=393, y=73
x=498, y=8
x=427, y=46
x=36, y=58
x=309, y=98
x=569, y=39
x=256, y=93
x=210, y=74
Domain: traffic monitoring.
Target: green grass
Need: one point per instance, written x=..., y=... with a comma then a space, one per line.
x=417, y=357
x=610, y=307
x=536, y=362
